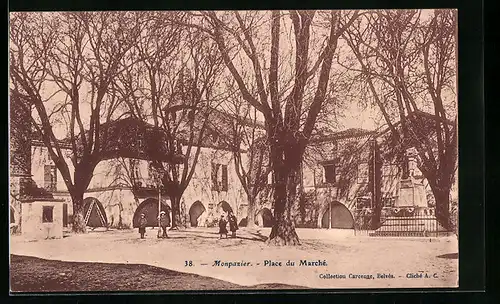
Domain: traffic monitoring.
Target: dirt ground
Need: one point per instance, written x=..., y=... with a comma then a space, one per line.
x=366, y=262
x=31, y=274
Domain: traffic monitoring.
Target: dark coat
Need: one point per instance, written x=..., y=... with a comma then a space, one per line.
x=233, y=223
x=222, y=226
x=164, y=221
x=142, y=225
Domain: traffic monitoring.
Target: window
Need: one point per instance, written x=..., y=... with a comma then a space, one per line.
x=151, y=173
x=118, y=170
x=329, y=171
x=363, y=202
x=270, y=178
x=136, y=171
x=363, y=173
x=50, y=177
x=388, y=202
x=48, y=214
x=389, y=170
x=219, y=177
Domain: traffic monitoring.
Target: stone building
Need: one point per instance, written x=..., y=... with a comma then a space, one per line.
x=33, y=210
x=353, y=179
x=123, y=187
x=342, y=178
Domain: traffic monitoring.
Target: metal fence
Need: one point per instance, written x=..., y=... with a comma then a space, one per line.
x=399, y=226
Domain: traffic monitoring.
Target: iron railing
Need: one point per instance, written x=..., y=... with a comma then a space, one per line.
x=399, y=226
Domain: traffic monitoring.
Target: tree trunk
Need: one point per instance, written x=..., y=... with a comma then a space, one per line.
x=287, y=175
x=79, y=225
x=442, y=197
x=251, y=211
x=376, y=184
x=176, y=213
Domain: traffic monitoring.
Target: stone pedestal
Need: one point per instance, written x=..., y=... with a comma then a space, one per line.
x=411, y=194
x=42, y=219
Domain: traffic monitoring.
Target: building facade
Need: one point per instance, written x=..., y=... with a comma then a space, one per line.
x=344, y=175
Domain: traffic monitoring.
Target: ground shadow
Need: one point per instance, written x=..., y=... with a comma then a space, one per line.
x=449, y=256
x=261, y=237
x=257, y=239
x=30, y=274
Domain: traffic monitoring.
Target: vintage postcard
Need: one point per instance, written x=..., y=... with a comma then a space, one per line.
x=233, y=150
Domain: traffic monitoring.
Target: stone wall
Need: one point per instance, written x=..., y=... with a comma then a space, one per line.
x=34, y=226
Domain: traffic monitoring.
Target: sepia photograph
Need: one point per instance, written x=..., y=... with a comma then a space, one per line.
x=233, y=150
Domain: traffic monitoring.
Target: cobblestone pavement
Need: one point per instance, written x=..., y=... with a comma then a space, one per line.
x=366, y=262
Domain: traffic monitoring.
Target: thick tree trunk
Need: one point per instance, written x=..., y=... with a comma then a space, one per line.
x=287, y=173
x=176, y=214
x=79, y=225
x=283, y=231
x=442, y=197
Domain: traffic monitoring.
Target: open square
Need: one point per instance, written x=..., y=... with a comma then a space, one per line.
x=344, y=253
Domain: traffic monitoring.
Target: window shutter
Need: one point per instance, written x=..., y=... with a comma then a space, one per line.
x=47, y=180
x=214, y=176
x=224, y=178
x=53, y=171
x=318, y=175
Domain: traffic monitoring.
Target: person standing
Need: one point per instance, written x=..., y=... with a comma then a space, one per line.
x=233, y=223
x=222, y=227
x=142, y=225
x=164, y=223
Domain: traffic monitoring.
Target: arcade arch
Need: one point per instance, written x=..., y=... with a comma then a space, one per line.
x=12, y=215
x=264, y=218
x=195, y=211
x=95, y=215
x=223, y=207
x=150, y=209
x=337, y=216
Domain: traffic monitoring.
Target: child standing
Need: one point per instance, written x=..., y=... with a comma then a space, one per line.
x=142, y=225
x=164, y=222
x=222, y=227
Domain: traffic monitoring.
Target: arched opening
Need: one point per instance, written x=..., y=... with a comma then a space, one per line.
x=243, y=222
x=223, y=206
x=337, y=216
x=264, y=218
x=150, y=209
x=94, y=213
x=12, y=216
x=195, y=212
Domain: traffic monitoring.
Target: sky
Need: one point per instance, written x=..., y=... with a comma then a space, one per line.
x=354, y=116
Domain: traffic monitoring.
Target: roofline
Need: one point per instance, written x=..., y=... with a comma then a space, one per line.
x=339, y=136
x=40, y=143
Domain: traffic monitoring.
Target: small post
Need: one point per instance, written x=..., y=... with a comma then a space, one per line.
x=159, y=206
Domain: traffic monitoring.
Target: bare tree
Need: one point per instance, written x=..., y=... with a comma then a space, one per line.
x=64, y=64
x=290, y=100
x=408, y=64
x=175, y=79
x=250, y=151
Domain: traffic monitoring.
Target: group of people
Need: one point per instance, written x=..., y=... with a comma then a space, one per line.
x=233, y=225
x=165, y=222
